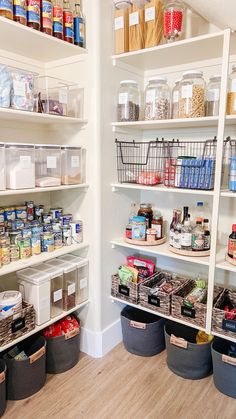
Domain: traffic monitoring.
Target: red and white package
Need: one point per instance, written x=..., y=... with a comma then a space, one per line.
x=149, y=178
x=145, y=267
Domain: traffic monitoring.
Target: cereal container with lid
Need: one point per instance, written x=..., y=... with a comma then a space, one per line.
x=231, y=97
x=69, y=289
x=82, y=275
x=213, y=96
x=192, y=95
x=71, y=165
x=20, y=166
x=157, y=99
x=48, y=165
x=128, y=107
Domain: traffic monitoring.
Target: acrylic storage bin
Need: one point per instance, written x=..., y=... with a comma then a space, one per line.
x=2, y=168
x=48, y=165
x=69, y=289
x=35, y=288
x=75, y=102
x=20, y=166
x=56, y=284
x=71, y=165
x=82, y=276
x=23, y=90
x=5, y=86
x=224, y=322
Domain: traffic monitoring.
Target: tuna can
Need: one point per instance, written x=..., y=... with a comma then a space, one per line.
x=2, y=218
x=14, y=252
x=47, y=218
x=48, y=242
x=77, y=231
x=21, y=213
x=30, y=210
x=58, y=239
x=35, y=245
x=56, y=212
x=66, y=219
x=10, y=214
x=25, y=248
x=66, y=236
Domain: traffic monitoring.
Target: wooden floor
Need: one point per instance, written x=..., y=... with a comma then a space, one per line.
x=124, y=386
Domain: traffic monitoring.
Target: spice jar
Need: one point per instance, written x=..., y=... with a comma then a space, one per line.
x=128, y=101
x=19, y=11
x=231, y=97
x=213, y=96
x=157, y=99
x=192, y=95
x=175, y=100
x=145, y=210
x=157, y=224
x=6, y=9
x=173, y=20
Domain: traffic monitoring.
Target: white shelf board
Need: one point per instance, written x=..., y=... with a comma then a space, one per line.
x=186, y=323
x=44, y=325
x=200, y=48
x=228, y=194
x=207, y=121
x=19, y=39
x=10, y=192
x=221, y=263
x=8, y=114
x=43, y=257
x=118, y=186
x=161, y=250
x=224, y=337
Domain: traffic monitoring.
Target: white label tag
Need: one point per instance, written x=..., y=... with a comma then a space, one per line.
x=83, y=283
x=51, y=162
x=149, y=14
x=151, y=96
x=123, y=98
x=119, y=23
x=233, y=85
x=71, y=289
x=213, y=95
x=187, y=92
x=63, y=96
x=57, y=295
x=75, y=161
x=175, y=97
x=25, y=162
x=19, y=88
x=133, y=19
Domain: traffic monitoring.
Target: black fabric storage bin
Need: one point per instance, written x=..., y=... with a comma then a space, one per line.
x=26, y=377
x=224, y=368
x=192, y=361
x=143, y=333
x=62, y=353
x=3, y=402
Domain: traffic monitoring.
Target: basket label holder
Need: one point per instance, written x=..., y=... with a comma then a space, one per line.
x=229, y=360
x=180, y=342
x=124, y=290
x=137, y=325
x=188, y=312
x=229, y=325
x=153, y=300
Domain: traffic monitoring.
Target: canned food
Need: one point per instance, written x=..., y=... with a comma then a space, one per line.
x=9, y=214
x=47, y=218
x=47, y=228
x=56, y=225
x=36, y=229
x=35, y=245
x=56, y=212
x=17, y=224
x=24, y=248
x=26, y=232
x=21, y=213
x=138, y=228
x=2, y=218
x=77, y=231
x=38, y=212
x=30, y=210
x=66, y=219
x=48, y=242
x=66, y=236
x=14, y=235
x=14, y=252
x=5, y=250
x=58, y=239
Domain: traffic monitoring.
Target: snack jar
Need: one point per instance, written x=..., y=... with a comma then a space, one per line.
x=48, y=165
x=213, y=96
x=128, y=107
x=69, y=289
x=2, y=168
x=71, y=165
x=231, y=97
x=82, y=275
x=173, y=20
x=192, y=95
x=20, y=166
x=175, y=100
x=157, y=99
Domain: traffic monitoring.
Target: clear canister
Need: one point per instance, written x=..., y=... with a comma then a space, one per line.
x=69, y=289
x=213, y=96
x=192, y=95
x=128, y=107
x=157, y=99
x=48, y=165
x=71, y=165
x=2, y=168
x=231, y=97
x=175, y=100
x=20, y=166
x=82, y=275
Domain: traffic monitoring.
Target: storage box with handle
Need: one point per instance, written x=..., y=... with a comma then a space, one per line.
x=129, y=292
x=222, y=321
x=224, y=367
x=3, y=370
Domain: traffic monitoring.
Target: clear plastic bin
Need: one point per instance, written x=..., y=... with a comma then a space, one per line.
x=5, y=86
x=76, y=102
x=48, y=165
x=71, y=165
x=2, y=168
x=20, y=166
x=56, y=277
x=23, y=90
x=35, y=288
x=82, y=266
x=69, y=282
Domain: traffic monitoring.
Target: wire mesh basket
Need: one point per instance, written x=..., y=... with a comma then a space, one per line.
x=191, y=164
x=141, y=162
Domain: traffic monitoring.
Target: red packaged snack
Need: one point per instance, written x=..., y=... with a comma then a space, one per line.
x=60, y=328
x=149, y=178
x=145, y=267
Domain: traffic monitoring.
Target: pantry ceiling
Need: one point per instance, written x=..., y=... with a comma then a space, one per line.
x=221, y=13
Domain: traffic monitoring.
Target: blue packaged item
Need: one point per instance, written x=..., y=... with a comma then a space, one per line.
x=22, y=92
x=232, y=174
x=202, y=175
x=181, y=185
x=209, y=174
x=5, y=86
x=139, y=228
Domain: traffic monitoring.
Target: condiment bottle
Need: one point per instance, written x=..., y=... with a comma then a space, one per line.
x=146, y=211
x=68, y=26
x=232, y=243
x=172, y=227
x=186, y=235
x=207, y=234
x=19, y=11
x=6, y=9
x=198, y=238
x=33, y=14
x=57, y=12
x=157, y=224
x=79, y=26
x=46, y=16
x=177, y=231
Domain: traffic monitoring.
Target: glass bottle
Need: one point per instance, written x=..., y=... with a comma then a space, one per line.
x=213, y=96
x=68, y=26
x=19, y=11
x=198, y=237
x=57, y=19
x=79, y=26
x=128, y=106
x=157, y=224
x=173, y=20
x=207, y=234
x=133, y=212
x=175, y=101
x=186, y=235
x=33, y=14
x=172, y=227
x=232, y=243
x=177, y=231
x=147, y=212
x=46, y=16
x=185, y=214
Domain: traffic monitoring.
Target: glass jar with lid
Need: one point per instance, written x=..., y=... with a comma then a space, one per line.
x=231, y=97
x=157, y=99
x=213, y=96
x=146, y=211
x=173, y=20
x=192, y=95
x=128, y=106
x=175, y=100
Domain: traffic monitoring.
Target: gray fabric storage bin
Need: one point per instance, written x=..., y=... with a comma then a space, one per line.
x=195, y=361
x=224, y=373
x=3, y=402
x=26, y=377
x=143, y=333
x=62, y=353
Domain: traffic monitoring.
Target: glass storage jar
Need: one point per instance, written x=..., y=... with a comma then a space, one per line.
x=48, y=165
x=71, y=165
x=56, y=284
x=231, y=97
x=175, y=100
x=82, y=276
x=157, y=99
x=173, y=20
x=192, y=95
x=20, y=166
x=2, y=168
x=128, y=107
x=213, y=96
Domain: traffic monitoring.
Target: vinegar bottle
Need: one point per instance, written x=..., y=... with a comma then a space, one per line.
x=57, y=19
x=46, y=16
x=68, y=25
x=79, y=26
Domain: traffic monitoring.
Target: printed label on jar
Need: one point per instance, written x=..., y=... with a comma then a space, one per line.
x=149, y=14
x=187, y=92
x=57, y=295
x=123, y=98
x=158, y=230
x=33, y=11
x=71, y=289
x=133, y=19
x=151, y=96
x=186, y=239
x=57, y=19
x=213, y=95
x=75, y=162
x=231, y=247
x=83, y=283
x=119, y=23
x=46, y=14
x=6, y=5
x=68, y=23
x=51, y=162
x=25, y=162
x=19, y=8
x=198, y=242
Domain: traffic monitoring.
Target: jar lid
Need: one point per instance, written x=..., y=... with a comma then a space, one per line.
x=38, y=146
x=197, y=73
x=19, y=145
x=146, y=205
x=122, y=4
x=128, y=82
x=158, y=79
x=139, y=219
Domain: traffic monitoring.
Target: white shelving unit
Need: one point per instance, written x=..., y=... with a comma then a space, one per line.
x=38, y=118
x=11, y=192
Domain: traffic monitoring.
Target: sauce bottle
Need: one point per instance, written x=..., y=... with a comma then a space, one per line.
x=146, y=211
x=19, y=11
x=207, y=234
x=157, y=224
x=68, y=26
x=198, y=239
x=46, y=16
x=33, y=14
x=6, y=8
x=57, y=19
x=177, y=231
x=232, y=243
x=79, y=26
x=172, y=227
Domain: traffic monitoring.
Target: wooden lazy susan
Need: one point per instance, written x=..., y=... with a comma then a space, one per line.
x=145, y=242
x=230, y=260
x=189, y=252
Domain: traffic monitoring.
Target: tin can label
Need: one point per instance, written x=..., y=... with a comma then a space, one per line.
x=57, y=19
x=33, y=11
x=68, y=24
x=47, y=14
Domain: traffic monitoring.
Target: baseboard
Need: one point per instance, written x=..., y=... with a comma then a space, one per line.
x=98, y=344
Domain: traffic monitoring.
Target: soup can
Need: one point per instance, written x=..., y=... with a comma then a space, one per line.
x=9, y=214
x=66, y=219
x=56, y=212
x=58, y=239
x=48, y=242
x=38, y=212
x=14, y=252
x=21, y=213
x=66, y=236
x=25, y=248
x=30, y=210
x=35, y=244
x=77, y=231
x=2, y=218
x=47, y=218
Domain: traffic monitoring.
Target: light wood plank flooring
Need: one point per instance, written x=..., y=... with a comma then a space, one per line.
x=124, y=386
